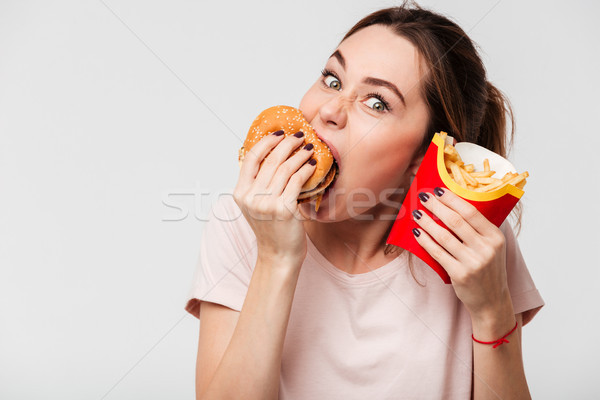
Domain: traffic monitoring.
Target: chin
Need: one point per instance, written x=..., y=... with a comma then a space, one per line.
x=327, y=210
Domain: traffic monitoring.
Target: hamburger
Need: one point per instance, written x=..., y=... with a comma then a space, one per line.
x=291, y=120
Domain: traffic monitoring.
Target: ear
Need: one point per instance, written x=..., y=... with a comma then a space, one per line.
x=415, y=164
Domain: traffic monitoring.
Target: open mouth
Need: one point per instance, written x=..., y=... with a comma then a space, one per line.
x=336, y=167
x=322, y=189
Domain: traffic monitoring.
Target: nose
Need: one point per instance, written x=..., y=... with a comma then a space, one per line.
x=334, y=112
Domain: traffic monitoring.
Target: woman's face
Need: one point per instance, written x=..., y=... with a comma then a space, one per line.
x=368, y=107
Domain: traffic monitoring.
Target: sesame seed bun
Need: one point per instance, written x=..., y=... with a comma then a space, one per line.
x=291, y=120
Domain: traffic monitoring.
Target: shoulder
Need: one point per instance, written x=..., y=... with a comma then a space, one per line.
x=227, y=237
x=226, y=259
x=525, y=296
x=225, y=215
x=507, y=230
x=225, y=209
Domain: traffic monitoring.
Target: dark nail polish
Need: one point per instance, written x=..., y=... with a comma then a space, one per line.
x=416, y=232
x=299, y=134
x=438, y=191
x=423, y=196
x=312, y=161
x=417, y=214
x=278, y=133
x=308, y=146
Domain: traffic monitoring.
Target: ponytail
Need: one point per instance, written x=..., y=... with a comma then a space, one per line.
x=493, y=135
x=492, y=132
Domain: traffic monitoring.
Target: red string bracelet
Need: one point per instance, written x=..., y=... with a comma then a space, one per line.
x=498, y=342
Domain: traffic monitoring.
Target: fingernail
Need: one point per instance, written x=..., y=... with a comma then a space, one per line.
x=423, y=196
x=312, y=161
x=278, y=133
x=299, y=134
x=417, y=214
x=438, y=191
x=416, y=232
x=308, y=146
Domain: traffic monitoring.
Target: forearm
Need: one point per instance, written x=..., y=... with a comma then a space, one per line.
x=498, y=373
x=250, y=367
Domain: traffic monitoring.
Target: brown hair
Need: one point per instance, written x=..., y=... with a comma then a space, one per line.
x=461, y=100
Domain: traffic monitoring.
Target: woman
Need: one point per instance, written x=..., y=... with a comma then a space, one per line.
x=303, y=305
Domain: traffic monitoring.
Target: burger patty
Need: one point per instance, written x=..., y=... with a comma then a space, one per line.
x=321, y=187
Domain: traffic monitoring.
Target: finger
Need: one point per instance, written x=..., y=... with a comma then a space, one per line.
x=289, y=167
x=440, y=234
x=468, y=211
x=255, y=156
x=297, y=180
x=436, y=251
x=453, y=220
x=273, y=160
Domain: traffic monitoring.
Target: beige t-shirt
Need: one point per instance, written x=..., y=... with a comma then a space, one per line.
x=376, y=335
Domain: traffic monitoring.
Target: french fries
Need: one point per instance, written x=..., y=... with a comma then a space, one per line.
x=478, y=181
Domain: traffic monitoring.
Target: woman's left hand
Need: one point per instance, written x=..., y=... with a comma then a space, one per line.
x=476, y=263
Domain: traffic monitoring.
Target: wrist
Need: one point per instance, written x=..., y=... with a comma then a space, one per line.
x=279, y=265
x=494, y=322
x=278, y=257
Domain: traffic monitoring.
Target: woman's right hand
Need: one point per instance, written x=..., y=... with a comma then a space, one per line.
x=267, y=194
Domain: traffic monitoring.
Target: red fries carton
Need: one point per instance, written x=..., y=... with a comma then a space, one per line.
x=494, y=205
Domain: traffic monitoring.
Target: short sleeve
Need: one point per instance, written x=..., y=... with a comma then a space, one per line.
x=226, y=260
x=525, y=296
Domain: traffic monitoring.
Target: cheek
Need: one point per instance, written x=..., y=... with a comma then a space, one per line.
x=377, y=168
x=386, y=164
x=309, y=104
x=396, y=146
x=392, y=167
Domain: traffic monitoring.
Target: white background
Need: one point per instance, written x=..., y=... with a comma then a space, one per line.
x=111, y=110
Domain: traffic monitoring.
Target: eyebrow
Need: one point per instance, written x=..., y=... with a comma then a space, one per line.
x=370, y=80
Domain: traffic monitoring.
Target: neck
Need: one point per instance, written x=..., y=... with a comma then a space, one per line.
x=355, y=245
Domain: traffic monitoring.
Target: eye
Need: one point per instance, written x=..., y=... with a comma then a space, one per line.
x=330, y=80
x=378, y=103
